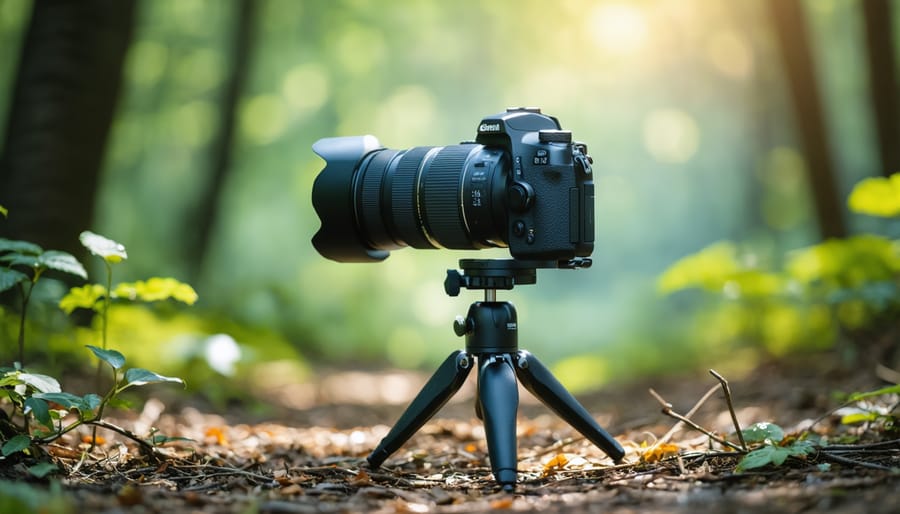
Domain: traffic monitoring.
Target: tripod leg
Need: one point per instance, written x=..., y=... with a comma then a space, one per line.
x=446, y=381
x=499, y=399
x=543, y=385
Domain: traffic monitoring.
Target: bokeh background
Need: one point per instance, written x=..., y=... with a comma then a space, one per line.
x=690, y=109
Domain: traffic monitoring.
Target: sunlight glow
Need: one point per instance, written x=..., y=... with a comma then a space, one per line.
x=730, y=54
x=671, y=135
x=618, y=28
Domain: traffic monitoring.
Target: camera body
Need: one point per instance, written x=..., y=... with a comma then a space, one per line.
x=550, y=188
x=522, y=184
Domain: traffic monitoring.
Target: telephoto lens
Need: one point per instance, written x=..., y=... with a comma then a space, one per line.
x=372, y=199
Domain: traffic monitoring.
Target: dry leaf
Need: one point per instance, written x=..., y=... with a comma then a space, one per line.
x=502, y=504
x=292, y=490
x=218, y=434
x=362, y=478
x=555, y=464
x=659, y=452
x=98, y=440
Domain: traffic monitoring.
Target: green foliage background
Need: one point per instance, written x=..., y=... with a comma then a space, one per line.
x=681, y=102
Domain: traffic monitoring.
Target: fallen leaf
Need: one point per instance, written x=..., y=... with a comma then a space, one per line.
x=362, y=478
x=555, y=464
x=659, y=452
x=97, y=440
x=292, y=490
x=502, y=503
x=218, y=434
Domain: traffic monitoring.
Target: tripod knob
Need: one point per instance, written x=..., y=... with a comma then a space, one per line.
x=461, y=326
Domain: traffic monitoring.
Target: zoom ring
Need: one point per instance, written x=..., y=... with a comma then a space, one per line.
x=403, y=213
x=441, y=193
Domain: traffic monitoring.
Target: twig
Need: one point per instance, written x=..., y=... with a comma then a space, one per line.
x=667, y=410
x=668, y=435
x=852, y=462
x=868, y=446
x=727, y=390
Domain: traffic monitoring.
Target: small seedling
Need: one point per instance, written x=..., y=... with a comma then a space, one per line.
x=40, y=397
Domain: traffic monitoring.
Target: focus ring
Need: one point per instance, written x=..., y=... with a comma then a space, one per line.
x=370, y=184
x=441, y=193
x=406, y=222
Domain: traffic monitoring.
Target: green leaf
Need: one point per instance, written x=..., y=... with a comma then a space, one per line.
x=68, y=401
x=111, y=357
x=84, y=297
x=772, y=454
x=156, y=289
x=42, y=469
x=756, y=459
x=10, y=277
x=4, y=211
x=18, y=259
x=41, y=383
x=109, y=250
x=139, y=377
x=858, y=417
x=16, y=444
x=877, y=196
x=40, y=409
x=62, y=261
x=894, y=389
x=759, y=432
x=162, y=439
x=20, y=247
x=92, y=401
x=707, y=269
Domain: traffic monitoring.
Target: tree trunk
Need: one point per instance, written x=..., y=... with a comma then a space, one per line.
x=62, y=105
x=221, y=151
x=792, y=36
x=883, y=82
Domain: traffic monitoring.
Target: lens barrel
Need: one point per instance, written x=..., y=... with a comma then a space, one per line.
x=372, y=199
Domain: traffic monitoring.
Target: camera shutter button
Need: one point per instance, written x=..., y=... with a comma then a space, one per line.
x=520, y=196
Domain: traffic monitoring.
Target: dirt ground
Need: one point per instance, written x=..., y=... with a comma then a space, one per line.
x=312, y=459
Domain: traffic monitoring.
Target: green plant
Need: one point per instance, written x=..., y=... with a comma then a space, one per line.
x=25, y=264
x=817, y=294
x=40, y=397
x=772, y=447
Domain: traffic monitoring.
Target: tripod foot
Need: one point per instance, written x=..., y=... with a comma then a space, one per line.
x=543, y=385
x=445, y=382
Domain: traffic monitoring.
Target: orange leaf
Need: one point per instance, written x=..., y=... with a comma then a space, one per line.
x=471, y=448
x=362, y=478
x=555, y=464
x=218, y=434
x=659, y=452
x=97, y=440
x=502, y=504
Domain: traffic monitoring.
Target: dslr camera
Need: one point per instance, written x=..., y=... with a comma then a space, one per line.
x=522, y=184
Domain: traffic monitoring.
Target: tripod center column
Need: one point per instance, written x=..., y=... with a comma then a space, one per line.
x=493, y=328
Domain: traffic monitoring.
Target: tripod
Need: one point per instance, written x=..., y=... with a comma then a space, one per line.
x=491, y=330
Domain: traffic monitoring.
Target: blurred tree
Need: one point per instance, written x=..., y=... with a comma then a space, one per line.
x=883, y=81
x=62, y=105
x=791, y=32
x=222, y=147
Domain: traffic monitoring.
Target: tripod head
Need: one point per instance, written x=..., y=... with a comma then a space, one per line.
x=493, y=274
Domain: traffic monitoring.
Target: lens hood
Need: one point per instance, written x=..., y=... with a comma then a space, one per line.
x=338, y=238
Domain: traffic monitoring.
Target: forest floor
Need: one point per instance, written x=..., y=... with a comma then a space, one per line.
x=313, y=459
